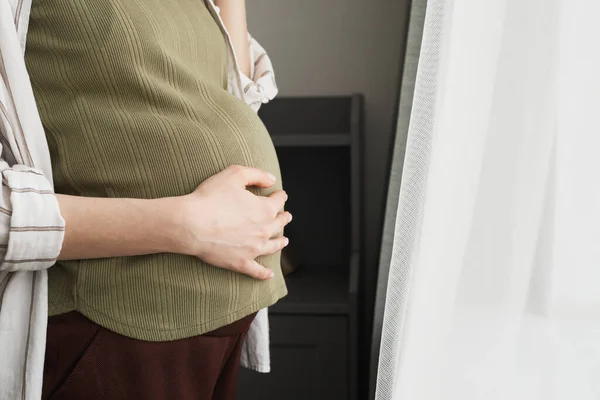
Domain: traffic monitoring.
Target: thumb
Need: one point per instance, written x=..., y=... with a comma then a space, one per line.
x=248, y=176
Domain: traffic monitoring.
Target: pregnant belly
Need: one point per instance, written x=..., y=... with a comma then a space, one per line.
x=153, y=155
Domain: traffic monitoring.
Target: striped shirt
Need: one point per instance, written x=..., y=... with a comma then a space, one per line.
x=31, y=227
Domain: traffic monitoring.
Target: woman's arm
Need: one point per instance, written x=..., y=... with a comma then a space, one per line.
x=221, y=223
x=233, y=14
x=105, y=227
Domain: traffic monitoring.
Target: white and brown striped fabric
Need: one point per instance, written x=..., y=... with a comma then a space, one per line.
x=31, y=227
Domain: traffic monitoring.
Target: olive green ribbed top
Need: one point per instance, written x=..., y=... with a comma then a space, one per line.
x=132, y=95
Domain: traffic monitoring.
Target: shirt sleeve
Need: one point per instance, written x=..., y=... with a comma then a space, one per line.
x=31, y=226
x=261, y=86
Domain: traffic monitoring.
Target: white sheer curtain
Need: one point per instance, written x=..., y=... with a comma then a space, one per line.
x=494, y=284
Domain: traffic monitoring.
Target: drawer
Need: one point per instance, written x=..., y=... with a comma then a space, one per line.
x=309, y=360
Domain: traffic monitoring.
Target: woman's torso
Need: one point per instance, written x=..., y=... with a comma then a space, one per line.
x=133, y=97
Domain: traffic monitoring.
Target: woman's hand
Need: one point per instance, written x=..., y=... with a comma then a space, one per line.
x=227, y=226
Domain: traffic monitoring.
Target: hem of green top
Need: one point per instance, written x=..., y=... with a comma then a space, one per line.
x=168, y=334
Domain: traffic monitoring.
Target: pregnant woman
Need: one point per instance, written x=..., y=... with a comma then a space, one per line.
x=170, y=191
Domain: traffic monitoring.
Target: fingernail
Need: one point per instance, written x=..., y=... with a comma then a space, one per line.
x=290, y=220
x=272, y=177
x=286, y=241
x=272, y=275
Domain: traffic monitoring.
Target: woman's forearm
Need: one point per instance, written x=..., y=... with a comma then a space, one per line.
x=101, y=227
x=233, y=14
x=220, y=222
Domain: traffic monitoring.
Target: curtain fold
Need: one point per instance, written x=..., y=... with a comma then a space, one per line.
x=493, y=283
x=407, y=89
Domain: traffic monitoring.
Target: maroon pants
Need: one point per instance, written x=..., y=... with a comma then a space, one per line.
x=87, y=362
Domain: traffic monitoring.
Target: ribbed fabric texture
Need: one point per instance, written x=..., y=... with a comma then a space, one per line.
x=132, y=94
